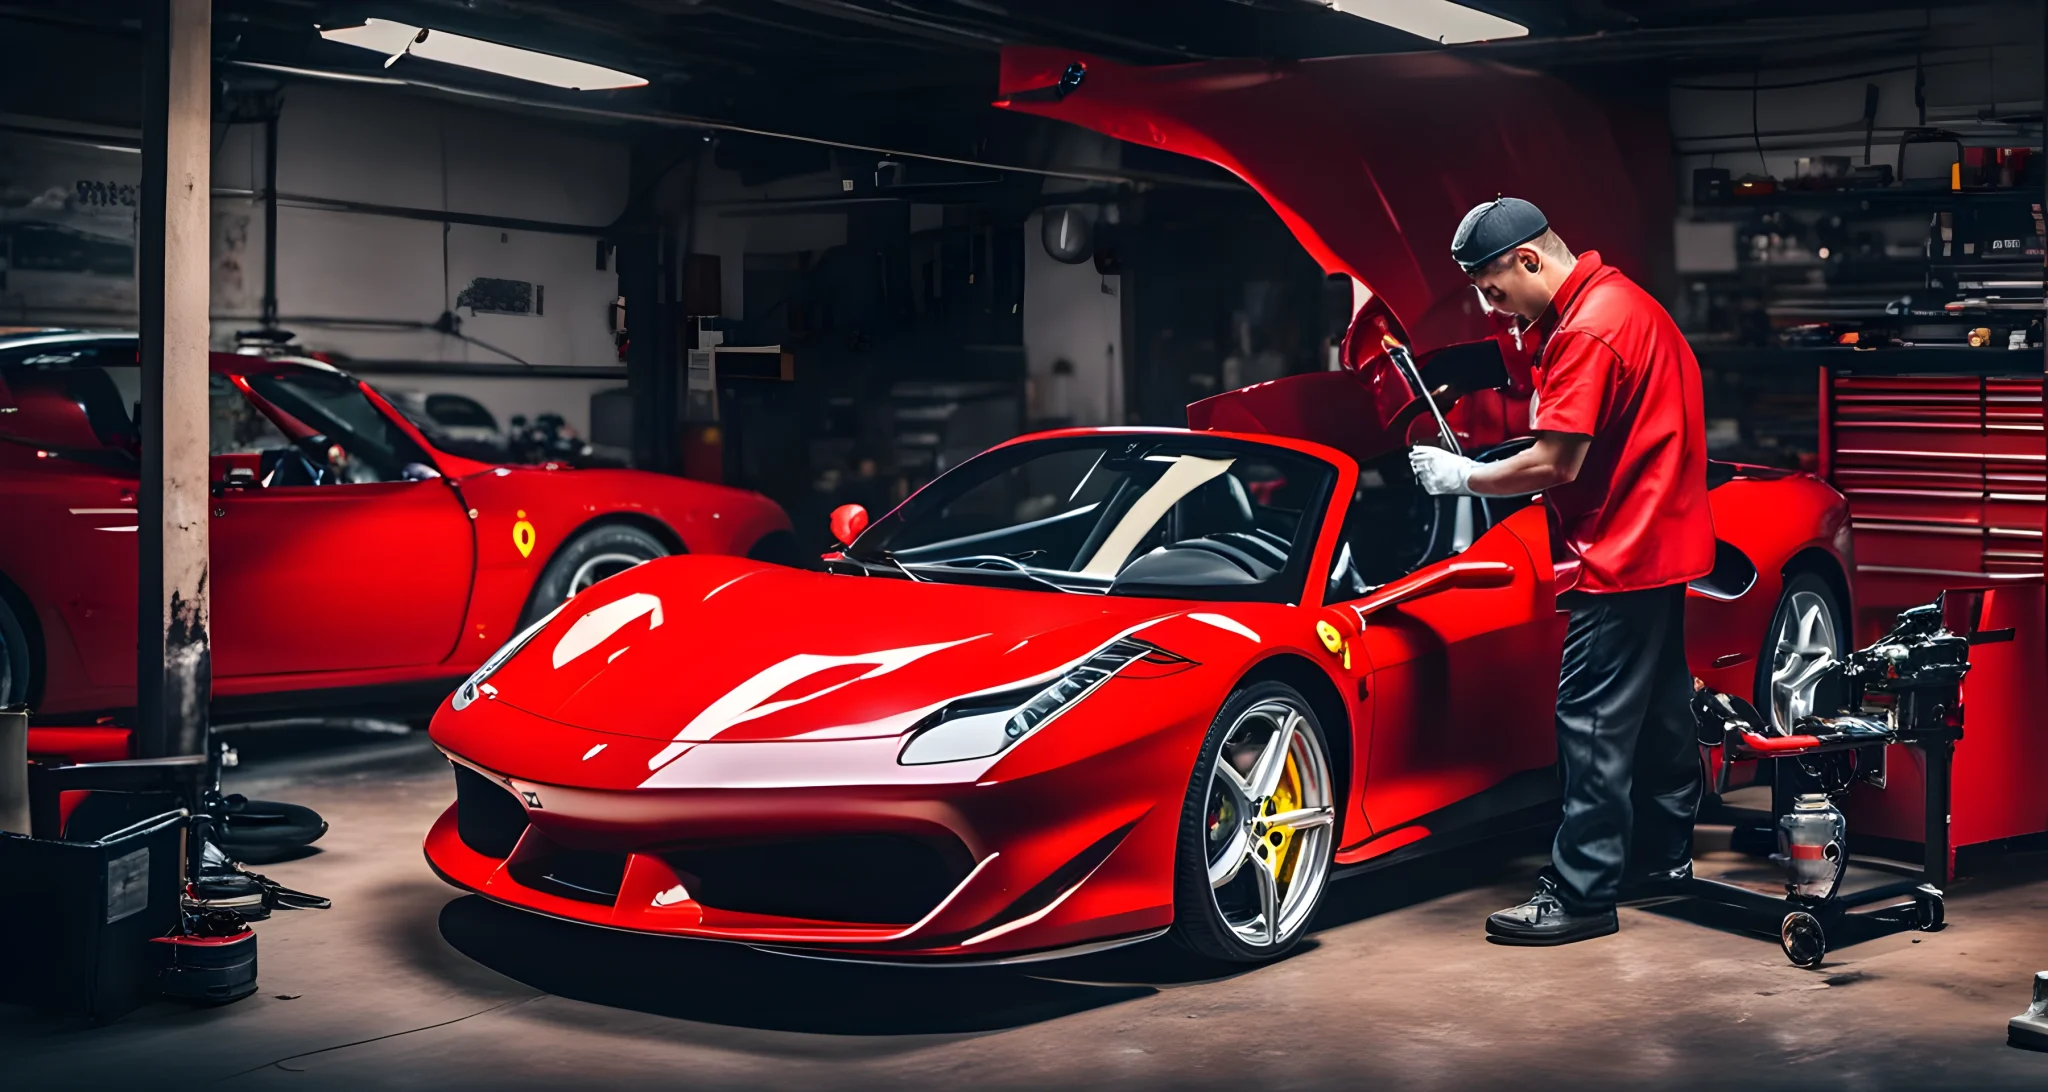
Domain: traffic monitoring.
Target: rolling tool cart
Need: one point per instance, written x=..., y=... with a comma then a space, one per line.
x=1906, y=688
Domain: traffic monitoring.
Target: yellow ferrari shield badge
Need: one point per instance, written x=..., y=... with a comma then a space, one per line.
x=1333, y=639
x=523, y=535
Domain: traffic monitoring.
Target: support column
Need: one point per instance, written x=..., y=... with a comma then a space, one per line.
x=652, y=363
x=174, y=674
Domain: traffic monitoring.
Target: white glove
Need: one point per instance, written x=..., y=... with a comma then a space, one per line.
x=1440, y=472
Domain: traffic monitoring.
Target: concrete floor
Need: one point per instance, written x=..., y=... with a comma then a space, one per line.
x=407, y=983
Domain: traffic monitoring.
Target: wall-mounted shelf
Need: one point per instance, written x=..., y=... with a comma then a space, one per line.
x=1909, y=360
x=1875, y=202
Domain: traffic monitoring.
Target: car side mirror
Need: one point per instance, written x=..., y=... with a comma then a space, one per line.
x=848, y=521
x=1457, y=574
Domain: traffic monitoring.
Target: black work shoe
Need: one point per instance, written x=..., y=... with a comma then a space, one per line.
x=1544, y=920
x=1662, y=883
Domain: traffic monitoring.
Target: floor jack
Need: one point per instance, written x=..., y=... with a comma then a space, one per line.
x=1905, y=689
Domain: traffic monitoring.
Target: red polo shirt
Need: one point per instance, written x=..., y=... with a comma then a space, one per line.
x=1613, y=366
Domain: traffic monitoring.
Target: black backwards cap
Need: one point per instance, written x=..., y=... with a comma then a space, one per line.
x=1494, y=228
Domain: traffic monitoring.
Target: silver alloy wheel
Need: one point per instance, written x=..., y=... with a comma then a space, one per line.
x=1269, y=817
x=597, y=568
x=1803, y=648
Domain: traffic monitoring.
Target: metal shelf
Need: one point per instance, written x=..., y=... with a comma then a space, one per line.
x=1875, y=202
x=1907, y=360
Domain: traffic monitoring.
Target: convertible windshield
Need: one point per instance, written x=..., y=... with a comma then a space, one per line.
x=1175, y=516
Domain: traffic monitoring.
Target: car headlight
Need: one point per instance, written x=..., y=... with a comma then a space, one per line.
x=468, y=691
x=985, y=724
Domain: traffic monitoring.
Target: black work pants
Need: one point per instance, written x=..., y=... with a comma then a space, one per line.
x=1625, y=742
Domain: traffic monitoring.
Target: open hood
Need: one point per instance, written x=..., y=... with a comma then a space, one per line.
x=1371, y=161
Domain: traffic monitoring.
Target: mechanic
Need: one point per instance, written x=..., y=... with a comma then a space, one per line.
x=1620, y=457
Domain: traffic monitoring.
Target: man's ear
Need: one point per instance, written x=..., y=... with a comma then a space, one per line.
x=1531, y=261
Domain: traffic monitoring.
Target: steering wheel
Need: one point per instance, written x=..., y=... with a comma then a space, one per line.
x=1505, y=448
x=1245, y=563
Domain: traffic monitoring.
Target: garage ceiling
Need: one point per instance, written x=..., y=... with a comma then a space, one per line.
x=917, y=75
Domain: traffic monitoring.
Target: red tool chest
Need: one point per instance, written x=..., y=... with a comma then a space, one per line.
x=1945, y=479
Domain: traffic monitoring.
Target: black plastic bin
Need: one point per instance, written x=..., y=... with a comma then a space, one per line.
x=78, y=916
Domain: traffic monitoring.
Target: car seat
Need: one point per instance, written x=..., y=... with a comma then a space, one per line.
x=1218, y=515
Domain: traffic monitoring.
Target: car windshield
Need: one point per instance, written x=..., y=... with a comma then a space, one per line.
x=1175, y=516
x=364, y=445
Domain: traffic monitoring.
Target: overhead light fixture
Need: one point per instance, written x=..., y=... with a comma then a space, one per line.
x=396, y=40
x=1437, y=20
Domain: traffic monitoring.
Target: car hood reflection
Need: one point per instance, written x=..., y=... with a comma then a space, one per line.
x=701, y=649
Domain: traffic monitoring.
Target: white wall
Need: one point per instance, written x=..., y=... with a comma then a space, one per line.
x=1071, y=312
x=363, y=285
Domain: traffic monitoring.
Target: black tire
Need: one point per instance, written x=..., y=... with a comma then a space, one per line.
x=260, y=831
x=1200, y=923
x=17, y=666
x=592, y=555
x=1796, y=585
x=776, y=548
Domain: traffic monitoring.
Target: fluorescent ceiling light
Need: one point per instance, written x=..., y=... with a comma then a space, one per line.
x=395, y=40
x=1437, y=20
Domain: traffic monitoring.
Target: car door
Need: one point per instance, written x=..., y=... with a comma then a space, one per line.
x=1463, y=686
x=336, y=546
x=67, y=478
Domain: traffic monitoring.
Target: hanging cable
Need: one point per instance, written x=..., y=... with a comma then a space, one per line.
x=1756, y=130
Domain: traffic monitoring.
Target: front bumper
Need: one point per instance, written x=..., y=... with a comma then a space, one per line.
x=1079, y=855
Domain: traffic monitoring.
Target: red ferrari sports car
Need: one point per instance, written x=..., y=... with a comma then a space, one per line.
x=352, y=562
x=1094, y=685
x=1086, y=687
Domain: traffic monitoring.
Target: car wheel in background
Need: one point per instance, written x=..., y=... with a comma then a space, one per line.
x=15, y=667
x=601, y=551
x=776, y=548
x=1805, y=637
x=1257, y=830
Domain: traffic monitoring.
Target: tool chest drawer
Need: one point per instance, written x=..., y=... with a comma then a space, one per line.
x=1944, y=475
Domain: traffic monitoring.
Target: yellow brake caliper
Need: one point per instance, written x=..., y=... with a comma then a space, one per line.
x=1279, y=847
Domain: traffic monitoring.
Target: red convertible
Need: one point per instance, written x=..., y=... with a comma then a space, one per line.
x=352, y=562
x=1093, y=686
x=1086, y=687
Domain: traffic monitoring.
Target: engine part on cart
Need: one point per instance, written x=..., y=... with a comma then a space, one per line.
x=1812, y=845
x=2030, y=1028
x=1918, y=658
x=1904, y=688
